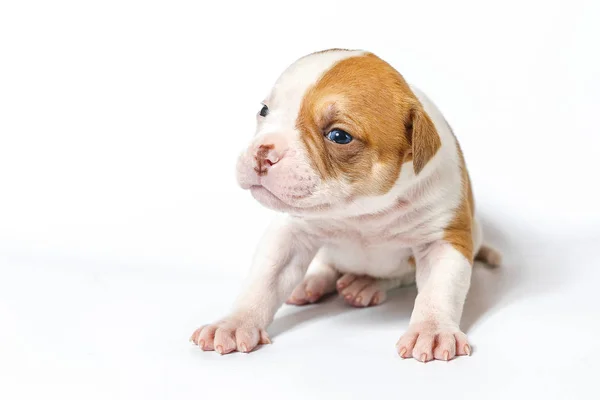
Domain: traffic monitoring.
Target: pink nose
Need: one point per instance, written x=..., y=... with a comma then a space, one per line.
x=266, y=156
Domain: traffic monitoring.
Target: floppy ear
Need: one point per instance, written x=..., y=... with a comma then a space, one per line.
x=423, y=137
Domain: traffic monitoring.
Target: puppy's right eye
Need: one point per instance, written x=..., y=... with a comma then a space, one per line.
x=339, y=136
x=264, y=111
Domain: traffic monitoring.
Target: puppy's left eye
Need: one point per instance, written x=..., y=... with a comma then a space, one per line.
x=339, y=136
x=264, y=111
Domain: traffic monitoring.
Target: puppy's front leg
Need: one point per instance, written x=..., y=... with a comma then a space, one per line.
x=279, y=265
x=443, y=279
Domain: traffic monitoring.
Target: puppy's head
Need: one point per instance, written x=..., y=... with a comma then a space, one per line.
x=337, y=125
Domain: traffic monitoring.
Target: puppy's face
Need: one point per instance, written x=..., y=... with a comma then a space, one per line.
x=336, y=126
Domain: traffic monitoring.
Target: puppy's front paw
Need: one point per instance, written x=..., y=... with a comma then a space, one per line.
x=228, y=336
x=428, y=340
x=312, y=289
x=360, y=291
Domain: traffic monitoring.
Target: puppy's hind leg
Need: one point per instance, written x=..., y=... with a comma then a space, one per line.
x=489, y=255
x=319, y=281
x=366, y=291
x=484, y=253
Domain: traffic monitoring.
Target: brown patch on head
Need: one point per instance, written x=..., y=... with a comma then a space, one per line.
x=370, y=100
x=459, y=233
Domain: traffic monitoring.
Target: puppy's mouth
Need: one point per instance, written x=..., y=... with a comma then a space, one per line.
x=271, y=200
x=266, y=197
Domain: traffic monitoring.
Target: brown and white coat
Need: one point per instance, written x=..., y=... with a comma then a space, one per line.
x=392, y=206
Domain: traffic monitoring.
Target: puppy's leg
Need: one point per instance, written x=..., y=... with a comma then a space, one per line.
x=279, y=264
x=443, y=278
x=486, y=254
x=319, y=281
x=364, y=291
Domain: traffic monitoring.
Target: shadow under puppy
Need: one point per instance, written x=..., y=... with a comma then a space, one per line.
x=374, y=194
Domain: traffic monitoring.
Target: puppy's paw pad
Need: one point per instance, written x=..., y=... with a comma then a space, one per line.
x=228, y=336
x=360, y=291
x=428, y=341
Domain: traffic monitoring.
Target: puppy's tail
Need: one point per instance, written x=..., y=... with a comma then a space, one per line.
x=489, y=255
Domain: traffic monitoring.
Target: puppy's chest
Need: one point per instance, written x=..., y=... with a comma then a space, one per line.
x=375, y=251
x=396, y=229
x=378, y=260
x=378, y=245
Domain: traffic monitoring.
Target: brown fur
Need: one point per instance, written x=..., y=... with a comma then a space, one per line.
x=370, y=100
x=425, y=140
x=490, y=256
x=459, y=233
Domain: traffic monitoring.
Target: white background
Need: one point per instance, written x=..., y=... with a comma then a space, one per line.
x=122, y=228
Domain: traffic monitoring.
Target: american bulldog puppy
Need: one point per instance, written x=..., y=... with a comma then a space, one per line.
x=373, y=193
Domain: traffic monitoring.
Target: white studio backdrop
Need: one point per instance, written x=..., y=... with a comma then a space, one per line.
x=120, y=122
x=120, y=125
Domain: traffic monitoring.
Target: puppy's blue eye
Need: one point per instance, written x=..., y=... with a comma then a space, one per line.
x=339, y=136
x=264, y=111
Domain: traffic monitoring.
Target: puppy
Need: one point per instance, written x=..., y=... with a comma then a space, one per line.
x=374, y=194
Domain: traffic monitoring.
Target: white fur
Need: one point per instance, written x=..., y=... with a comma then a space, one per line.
x=372, y=236
x=292, y=185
